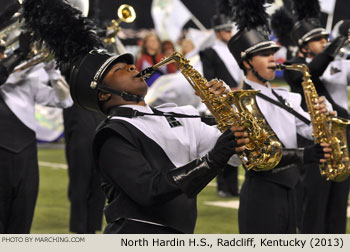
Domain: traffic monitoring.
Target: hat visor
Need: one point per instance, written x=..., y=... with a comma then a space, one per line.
x=126, y=58
x=225, y=27
x=266, y=45
x=316, y=36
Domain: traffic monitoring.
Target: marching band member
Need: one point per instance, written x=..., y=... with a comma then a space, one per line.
x=331, y=77
x=152, y=166
x=267, y=198
x=19, y=171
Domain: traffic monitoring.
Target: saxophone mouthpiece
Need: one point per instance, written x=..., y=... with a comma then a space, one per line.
x=278, y=67
x=145, y=73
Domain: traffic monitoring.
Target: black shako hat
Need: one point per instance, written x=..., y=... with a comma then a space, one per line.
x=247, y=42
x=306, y=30
x=222, y=22
x=253, y=36
x=87, y=75
x=308, y=25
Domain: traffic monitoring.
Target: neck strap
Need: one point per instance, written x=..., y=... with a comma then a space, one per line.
x=132, y=113
x=125, y=95
x=282, y=103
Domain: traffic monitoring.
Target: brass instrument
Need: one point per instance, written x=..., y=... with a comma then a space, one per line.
x=344, y=52
x=264, y=151
x=126, y=13
x=36, y=56
x=9, y=38
x=9, y=34
x=328, y=129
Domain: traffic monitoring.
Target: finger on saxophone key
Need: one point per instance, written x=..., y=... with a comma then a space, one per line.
x=217, y=87
x=327, y=150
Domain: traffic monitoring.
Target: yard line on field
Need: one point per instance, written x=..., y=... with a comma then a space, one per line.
x=227, y=204
x=53, y=165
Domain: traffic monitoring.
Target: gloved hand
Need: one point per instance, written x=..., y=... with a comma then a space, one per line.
x=194, y=176
x=316, y=153
x=344, y=28
x=333, y=48
x=228, y=144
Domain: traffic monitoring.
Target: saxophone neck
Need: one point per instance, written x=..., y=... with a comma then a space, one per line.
x=174, y=57
x=296, y=67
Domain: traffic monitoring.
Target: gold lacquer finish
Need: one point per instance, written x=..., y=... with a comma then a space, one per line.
x=127, y=14
x=328, y=129
x=237, y=108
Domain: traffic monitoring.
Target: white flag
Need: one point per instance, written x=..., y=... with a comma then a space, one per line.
x=169, y=16
x=327, y=6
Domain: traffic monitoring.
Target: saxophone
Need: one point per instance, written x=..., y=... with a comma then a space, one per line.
x=328, y=129
x=237, y=108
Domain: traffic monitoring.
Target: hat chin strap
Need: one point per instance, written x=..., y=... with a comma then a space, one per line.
x=125, y=95
x=256, y=73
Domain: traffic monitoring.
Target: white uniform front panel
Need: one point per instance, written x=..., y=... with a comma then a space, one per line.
x=181, y=144
x=336, y=78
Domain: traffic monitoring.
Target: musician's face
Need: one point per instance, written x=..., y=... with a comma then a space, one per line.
x=317, y=45
x=263, y=62
x=121, y=77
x=224, y=35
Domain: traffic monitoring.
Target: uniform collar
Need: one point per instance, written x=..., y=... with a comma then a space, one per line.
x=258, y=86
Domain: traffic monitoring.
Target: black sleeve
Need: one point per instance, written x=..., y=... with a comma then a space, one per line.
x=294, y=79
x=208, y=63
x=319, y=64
x=124, y=165
x=290, y=156
x=316, y=67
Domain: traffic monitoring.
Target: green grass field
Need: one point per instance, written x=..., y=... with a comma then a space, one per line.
x=52, y=209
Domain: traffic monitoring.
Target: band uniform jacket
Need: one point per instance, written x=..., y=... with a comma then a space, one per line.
x=332, y=83
x=330, y=198
x=284, y=124
x=19, y=173
x=134, y=155
x=267, y=197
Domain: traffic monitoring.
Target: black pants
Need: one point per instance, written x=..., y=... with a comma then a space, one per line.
x=227, y=180
x=324, y=204
x=266, y=208
x=19, y=182
x=84, y=189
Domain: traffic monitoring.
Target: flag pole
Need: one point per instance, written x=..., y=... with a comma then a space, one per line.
x=198, y=23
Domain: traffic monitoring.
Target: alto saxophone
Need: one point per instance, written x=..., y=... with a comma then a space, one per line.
x=237, y=108
x=328, y=129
